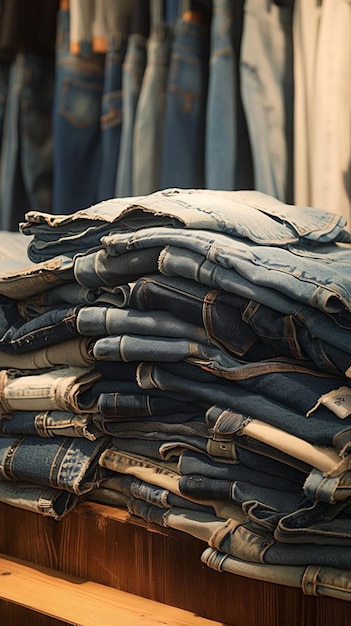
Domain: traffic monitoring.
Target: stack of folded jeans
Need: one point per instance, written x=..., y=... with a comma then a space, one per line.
x=202, y=337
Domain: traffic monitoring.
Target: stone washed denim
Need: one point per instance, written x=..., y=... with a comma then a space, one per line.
x=68, y=463
x=315, y=276
x=266, y=75
x=150, y=111
x=133, y=69
x=62, y=388
x=228, y=162
x=313, y=580
x=49, y=424
x=47, y=501
x=251, y=214
x=73, y=352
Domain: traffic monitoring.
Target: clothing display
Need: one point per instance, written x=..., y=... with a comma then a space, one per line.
x=142, y=96
x=175, y=287
x=193, y=367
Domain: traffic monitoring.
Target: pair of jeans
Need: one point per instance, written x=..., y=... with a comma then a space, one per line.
x=243, y=326
x=250, y=214
x=313, y=580
x=133, y=69
x=26, y=172
x=266, y=74
x=228, y=161
x=185, y=115
x=48, y=501
x=317, y=276
x=61, y=388
x=111, y=115
x=49, y=424
x=73, y=352
x=76, y=124
x=68, y=463
x=150, y=112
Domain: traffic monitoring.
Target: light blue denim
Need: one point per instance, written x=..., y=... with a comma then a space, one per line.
x=76, y=124
x=315, y=276
x=228, y=162
x=26, y=170
x=150, y=113
x=250, y=214
x=132, y=77
x=267, y=87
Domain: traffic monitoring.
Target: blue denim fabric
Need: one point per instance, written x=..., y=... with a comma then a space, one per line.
x=26, y=170
x=47, y=501
x=57, y=324
x=110, y=321
x=68, y=463
x=182, y=376
x=228, y=162
x=129, y=405
x=150, y=113
x=317, y=276
x=185, y=117
x=49, y=424
x=250, y=468
x=76, y=129
x=329, y=487
x=258, y=545
x=249, y=214
x=243, y=326
x=266, y=75
x=132, y=76
x=111, y=115
x=313, y=580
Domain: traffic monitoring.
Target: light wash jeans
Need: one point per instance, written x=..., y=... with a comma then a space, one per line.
x=266, y=72
x=313, y=580
x=249, y=214
x=132, y=77
x=48, y=501
x=228, y=161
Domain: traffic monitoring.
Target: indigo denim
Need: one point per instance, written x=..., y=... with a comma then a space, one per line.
x=132, y=76
x=76, y=124
x=26, y=171
x=243, y=326
x=49, y=424
x=68, y=463
x=123, y=405
x=111, y=115
x=185, y=116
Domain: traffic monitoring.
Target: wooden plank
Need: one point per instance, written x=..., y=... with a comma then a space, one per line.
x=84, y=602
x=111, y=547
